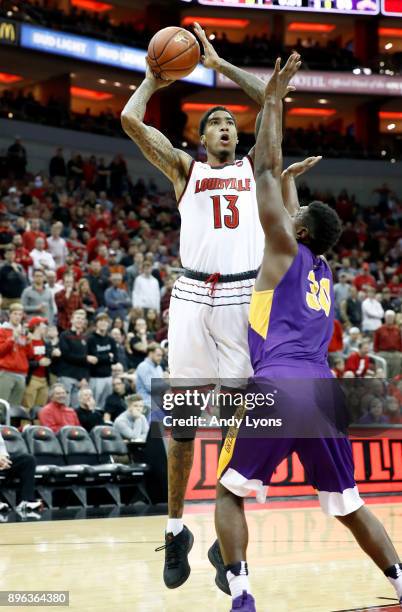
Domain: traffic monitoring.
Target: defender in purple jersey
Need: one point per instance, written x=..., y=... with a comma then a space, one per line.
x=290, y=325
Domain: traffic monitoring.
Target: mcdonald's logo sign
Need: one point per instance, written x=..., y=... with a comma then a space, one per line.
x=9, y=32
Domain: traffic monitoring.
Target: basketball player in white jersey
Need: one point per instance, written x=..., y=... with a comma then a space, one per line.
x=221, y=246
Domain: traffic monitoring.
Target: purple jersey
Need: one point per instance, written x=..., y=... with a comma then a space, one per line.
x=293, y=322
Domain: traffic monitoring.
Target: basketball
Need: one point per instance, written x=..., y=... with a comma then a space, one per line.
x=173, y=53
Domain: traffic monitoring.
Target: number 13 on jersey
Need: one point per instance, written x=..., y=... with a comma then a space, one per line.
x=230, y=220
x=319, y=296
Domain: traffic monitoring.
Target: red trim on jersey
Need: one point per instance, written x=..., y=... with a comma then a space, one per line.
x=219, y=166
x=187, y=182
x=251, y=162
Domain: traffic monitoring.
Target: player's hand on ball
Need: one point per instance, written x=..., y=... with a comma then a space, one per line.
x=302, y=167
x=278, y=84
x=157, y=82
x=210, y=59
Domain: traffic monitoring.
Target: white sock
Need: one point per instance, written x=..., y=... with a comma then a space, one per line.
x=239, y=581
x=174, y=526
x=394, y=575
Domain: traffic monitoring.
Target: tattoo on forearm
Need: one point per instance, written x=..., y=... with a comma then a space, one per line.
x=249, y=83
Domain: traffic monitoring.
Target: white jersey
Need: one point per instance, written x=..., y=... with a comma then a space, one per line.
x=220, y=228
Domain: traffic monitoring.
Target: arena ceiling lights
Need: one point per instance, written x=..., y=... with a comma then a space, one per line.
x=6, y=77
x=308, y=26
x=92, y=5
x=201, y=107
x=216, y=22
x=312, y=112
x=90, y=94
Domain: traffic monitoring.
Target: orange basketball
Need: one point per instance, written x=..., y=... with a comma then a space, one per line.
x=173, y=53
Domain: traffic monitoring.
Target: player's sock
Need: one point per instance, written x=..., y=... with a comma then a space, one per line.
x=394, y=575
x=174, y=526
x=237, y=575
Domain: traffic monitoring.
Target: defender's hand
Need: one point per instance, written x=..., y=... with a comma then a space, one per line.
x=210, y=59
x=157, y=82
x=301, y=167
x=278, y=84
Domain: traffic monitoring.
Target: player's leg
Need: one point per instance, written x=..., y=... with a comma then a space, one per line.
x=192, y=362
x=329, y=465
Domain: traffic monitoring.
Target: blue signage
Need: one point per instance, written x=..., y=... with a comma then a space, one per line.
x=91, y=50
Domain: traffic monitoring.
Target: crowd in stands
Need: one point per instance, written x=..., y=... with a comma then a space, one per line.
x=89, y=259
x=311, y=141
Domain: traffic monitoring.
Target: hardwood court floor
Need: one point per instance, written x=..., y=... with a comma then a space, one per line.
x=299, y=560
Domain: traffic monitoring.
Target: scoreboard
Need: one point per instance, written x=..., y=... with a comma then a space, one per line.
x=340, y=7
x=392, y=7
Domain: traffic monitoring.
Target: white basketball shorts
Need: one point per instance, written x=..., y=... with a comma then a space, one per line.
x=208, y=330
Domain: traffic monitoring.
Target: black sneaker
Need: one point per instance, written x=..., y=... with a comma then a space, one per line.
x=215, y=557
x=177, y=568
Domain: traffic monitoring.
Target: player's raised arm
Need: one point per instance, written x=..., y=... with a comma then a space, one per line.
x=175, y=164
x=253, y=86
x=288, y=181
x=274, y=218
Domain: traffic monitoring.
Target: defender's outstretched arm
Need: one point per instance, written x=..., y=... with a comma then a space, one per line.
x=274, y=218
x=288, y=179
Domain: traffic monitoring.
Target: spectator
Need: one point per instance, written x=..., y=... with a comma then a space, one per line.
x=22, y=467
x=55, y=353
x=22, y=256
x=57, y=167
x=17, y=159
x=393, y=411
x=87, y=412
x=341, y=290
x=339, y=367
x=68, y=301
x=359, y=362
x=102, y=348
x=132, y=424
x=134, y=270
x=137, y=343
x=121, y=352
x=117, y=300
x=71, y=267
x=56, y=414
x=88, y=299
x=388, y=344
x=372, y=312
x=74, y=362
x=13, y=357
x=351, y=308
x=375, y=414
x=352, y=341
x=129, y=378
x=38, y=300
x=36, y=391
x=57, y=246
x=29, y=237
x=150, y=370
x=98, y=282
x=12, y=279
x=41, y=259
x=365, y=279
x=146, y=291
x=335, y=346
x=162, y=333
x=115, y=403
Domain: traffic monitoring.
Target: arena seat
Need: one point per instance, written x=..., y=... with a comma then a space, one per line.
x=109, y=444
x=16, y=446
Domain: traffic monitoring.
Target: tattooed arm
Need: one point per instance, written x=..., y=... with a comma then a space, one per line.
x=157, y=149
x=249, y=83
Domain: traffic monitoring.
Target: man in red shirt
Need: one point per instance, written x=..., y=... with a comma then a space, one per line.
x=359, y=362
x=364, y=279
x=13, y=357
x=22, y=255
x=68, y=300
x=56, y=414
x=29, y=237
x=36, y=392
x=335, y=346
x=388, y=344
